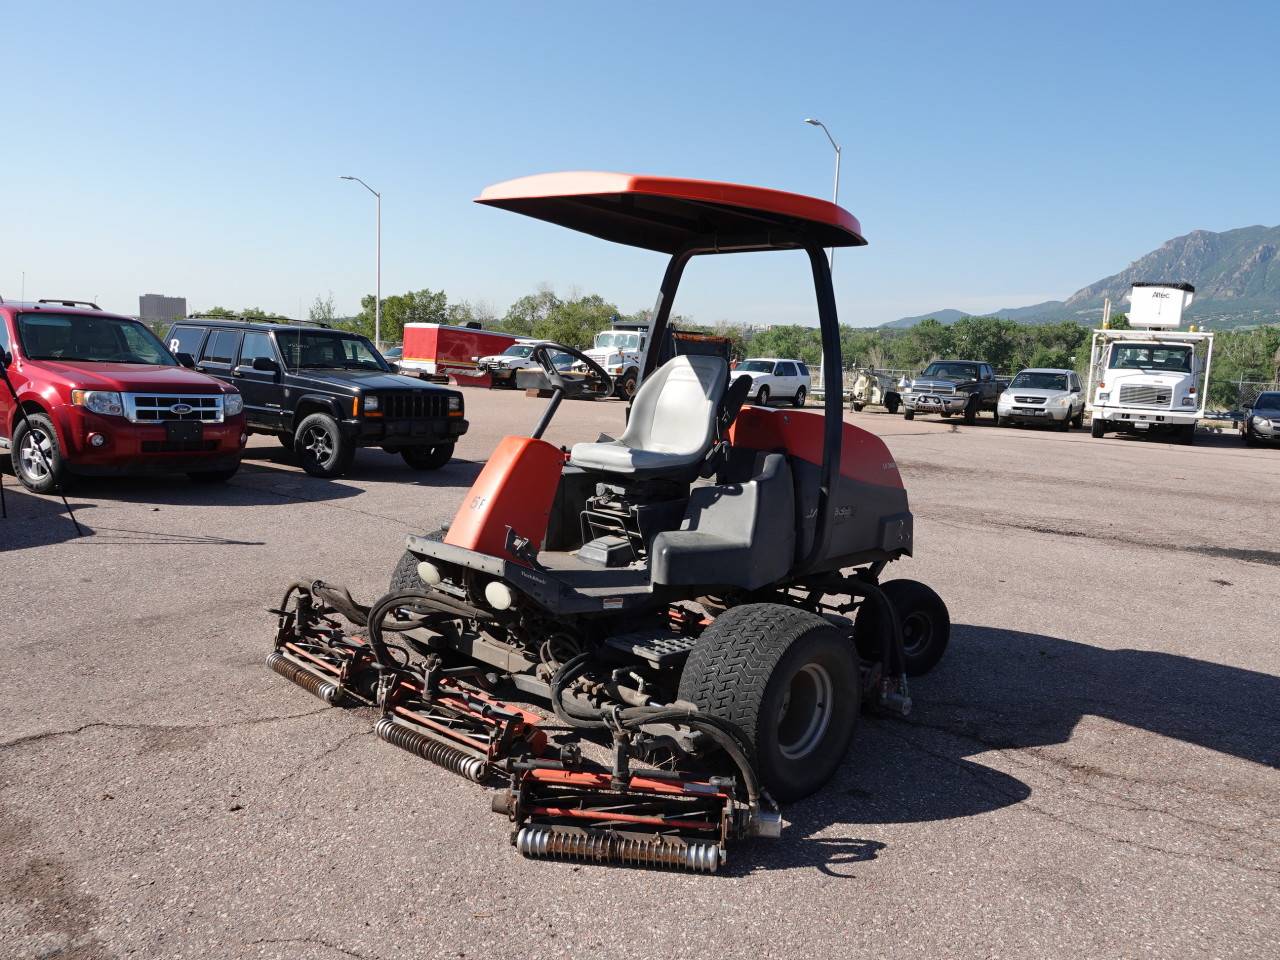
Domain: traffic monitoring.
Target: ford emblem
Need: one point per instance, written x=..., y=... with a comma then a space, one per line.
x=181, y=409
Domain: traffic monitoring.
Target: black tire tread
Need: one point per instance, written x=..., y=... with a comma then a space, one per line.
x=729, y=668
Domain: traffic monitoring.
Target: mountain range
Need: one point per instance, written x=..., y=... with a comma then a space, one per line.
x=1236, y=274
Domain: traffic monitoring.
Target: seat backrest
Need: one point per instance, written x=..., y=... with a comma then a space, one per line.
x=675, y=408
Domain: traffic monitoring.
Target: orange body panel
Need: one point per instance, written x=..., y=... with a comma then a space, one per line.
x=863, y=455
x=515, y=489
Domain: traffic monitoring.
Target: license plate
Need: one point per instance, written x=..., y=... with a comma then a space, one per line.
x=1026, y=412
x=183, y=431
x=1142, y=425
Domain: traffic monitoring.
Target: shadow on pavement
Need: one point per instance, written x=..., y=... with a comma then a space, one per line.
x=1002, y=690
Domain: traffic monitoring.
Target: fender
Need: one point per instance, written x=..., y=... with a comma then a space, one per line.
x=514, y=491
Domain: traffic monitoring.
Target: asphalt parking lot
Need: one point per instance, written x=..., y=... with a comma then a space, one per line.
x=1090, y=772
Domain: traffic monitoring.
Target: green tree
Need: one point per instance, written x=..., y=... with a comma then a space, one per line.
x=985, y=338
x=416, y=306
x=576, y=322
x=524, y=316
x=322, y=310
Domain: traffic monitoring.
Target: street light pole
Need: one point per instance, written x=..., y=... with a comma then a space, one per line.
x=835, y=191
x=377, y=304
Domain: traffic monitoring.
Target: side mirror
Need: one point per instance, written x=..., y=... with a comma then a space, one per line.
x=186, y=360
x=265, y=365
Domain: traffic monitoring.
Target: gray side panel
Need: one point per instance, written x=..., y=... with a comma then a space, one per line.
x=734, y=534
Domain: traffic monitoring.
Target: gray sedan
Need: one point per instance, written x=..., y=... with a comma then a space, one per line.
x=1047, y=396
x=1262, y=420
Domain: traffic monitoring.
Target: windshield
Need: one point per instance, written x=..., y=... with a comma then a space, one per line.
x=951, y=371
x=1151, y=356
x=755, y=366
x=518, y=350
x=1040, y=381
x=618, y=341
x=1267, y=401
x=77, y=336
x=314, y=350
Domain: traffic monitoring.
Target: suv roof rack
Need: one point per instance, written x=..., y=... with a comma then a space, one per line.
x=218, y=316
x=71, y=303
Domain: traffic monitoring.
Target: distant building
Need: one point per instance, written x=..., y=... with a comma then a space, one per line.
x=159, y=308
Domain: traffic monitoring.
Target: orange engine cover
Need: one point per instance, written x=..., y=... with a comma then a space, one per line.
x=516, y=489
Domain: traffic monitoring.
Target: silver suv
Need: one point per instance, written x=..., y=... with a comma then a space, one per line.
x=1044, y=395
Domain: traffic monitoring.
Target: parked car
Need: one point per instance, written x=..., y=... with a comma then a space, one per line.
x=104, y=396
x=1043, y=395
x=393, y=356
x=1262, y=420
x=949, y=387
x=502, y=367
x=775, y=379
x=324, y=392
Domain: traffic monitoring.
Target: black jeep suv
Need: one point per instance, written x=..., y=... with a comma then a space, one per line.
x=324, y=392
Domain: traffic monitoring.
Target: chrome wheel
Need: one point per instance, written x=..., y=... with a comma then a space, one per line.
x=806, y=711
x=319, y=444
x=35, y=454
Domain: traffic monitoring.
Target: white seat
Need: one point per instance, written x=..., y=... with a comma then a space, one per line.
x=672, y=424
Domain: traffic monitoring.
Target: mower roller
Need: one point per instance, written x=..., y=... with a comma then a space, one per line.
x=700, y=597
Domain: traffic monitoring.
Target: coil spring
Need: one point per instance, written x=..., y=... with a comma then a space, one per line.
x=428, y=748
x=326, y=690
x=598, y=846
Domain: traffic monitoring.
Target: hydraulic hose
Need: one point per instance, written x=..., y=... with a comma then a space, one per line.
x=727, y=735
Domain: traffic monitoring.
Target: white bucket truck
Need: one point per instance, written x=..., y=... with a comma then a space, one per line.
x=1152, y=377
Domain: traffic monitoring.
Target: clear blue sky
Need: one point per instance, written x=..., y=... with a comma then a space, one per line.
x=997, y=154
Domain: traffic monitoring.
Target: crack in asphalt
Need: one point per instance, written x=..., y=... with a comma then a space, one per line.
x=154, y=727
x=974, y=771
x=328, y=752
x=1243, y=554
x=317, y=941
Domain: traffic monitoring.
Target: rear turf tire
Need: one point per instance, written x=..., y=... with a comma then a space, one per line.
x=789, y=680
x=925, y=622
x=405, y=575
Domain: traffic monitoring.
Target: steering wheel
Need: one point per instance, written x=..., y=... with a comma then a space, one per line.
x=597, y=383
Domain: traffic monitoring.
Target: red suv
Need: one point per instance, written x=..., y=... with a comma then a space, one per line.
x=104, y=396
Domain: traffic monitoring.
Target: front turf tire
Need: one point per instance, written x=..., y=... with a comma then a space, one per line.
x=789, y=680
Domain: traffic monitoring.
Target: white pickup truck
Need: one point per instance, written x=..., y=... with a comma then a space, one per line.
x=621, y=352
x=1153, y=379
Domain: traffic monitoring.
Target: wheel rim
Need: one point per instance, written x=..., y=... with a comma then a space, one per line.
x=917, y=629
x=317, y=442
x=800, y=397
x=33, y=464
x=764, y=394
x=805, y=713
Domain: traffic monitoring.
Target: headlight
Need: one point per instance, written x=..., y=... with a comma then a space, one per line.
x=1061, y=401
x=1104, y=397
x=1261, y=422
x=232, y=404
x=616, y=368
x=370, y=404
x=455, y=404
x=99, y=401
